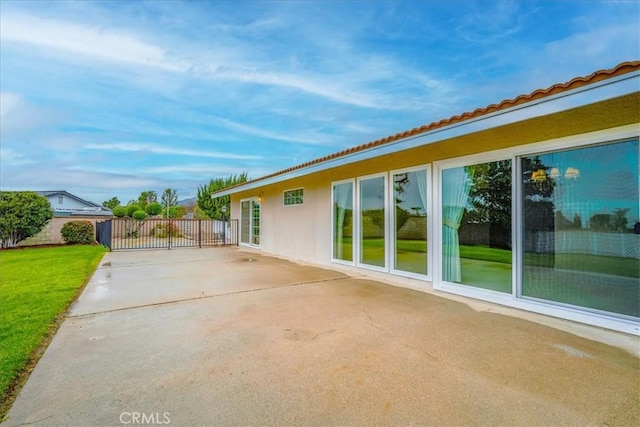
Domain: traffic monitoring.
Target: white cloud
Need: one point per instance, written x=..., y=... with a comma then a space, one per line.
x=157, y=149
x=9, y=102
x=347, y=77
x=603, y=44
x=47, y=178
x=18, y=115
x=12, y=157
x=307, y=138
x=307, y=84
x=95, y=42
x=490, y=22
x=207, y=170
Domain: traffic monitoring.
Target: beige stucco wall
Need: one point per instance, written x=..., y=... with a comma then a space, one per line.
x=303, y=232
x=50, y=234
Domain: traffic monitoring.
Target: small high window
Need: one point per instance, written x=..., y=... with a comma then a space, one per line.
x=293, y=197
x=60, y=200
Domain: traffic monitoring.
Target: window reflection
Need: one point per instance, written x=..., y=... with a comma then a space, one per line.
x=410, y=219
x=476, y=225
x=372, y=221
x=580, y=207
x=343, y=221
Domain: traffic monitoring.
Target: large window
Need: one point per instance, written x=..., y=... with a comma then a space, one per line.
x=372, y=221
x=476, y=225
x=580, y=207
x=343, y=221
x=410, y=221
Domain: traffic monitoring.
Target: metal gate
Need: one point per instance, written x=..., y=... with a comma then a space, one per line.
x=128, y=233
x=103, y=233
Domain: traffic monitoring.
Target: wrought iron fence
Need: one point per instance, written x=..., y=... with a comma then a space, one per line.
x=128, y=233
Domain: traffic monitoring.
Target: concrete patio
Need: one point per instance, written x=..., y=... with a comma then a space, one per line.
x=225, y=336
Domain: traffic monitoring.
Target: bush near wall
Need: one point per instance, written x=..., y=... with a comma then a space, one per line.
x=78, y=232
x=165, y=230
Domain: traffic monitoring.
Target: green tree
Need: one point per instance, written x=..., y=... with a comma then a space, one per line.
x=490, y=200
x=147, y=197
x=133, y=207
x=112, y=203
x=134, y=217
x=168, y=201
x=154, y=208
x=620, y=221
x=120, y=211
x=175, y=211
x=537, y=193
x=22, y=214
x=169, y=198
x=212, y=207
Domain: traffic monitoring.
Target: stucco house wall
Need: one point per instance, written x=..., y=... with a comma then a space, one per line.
x=303, y=232
x=551, y=120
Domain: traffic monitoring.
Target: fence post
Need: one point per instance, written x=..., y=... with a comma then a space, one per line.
x=169, y=230
x=200, y=233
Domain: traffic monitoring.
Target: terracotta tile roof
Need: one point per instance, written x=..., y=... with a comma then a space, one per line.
x=620, y=69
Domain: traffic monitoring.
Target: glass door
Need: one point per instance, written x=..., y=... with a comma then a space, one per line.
x=372, y=222
x=580, y=219
x=410, y=225
x=250, y=222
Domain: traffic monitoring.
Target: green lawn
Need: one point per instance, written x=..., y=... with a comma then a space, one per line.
x=36, y=286
x=616, y=266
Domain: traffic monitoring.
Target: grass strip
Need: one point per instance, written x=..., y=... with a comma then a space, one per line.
x=37, y=286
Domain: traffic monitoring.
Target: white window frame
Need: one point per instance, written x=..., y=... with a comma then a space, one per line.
x=573, y=313
x=351, y=181
x=284, y=197
x=425, y=277
x=458, y=288
x=387, y=223
x=251, y=201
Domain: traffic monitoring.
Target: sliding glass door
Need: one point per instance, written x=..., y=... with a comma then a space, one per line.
x=410, y=225
x=476, y=225
x=342, y=194
x=372, y=221
x=580, y=207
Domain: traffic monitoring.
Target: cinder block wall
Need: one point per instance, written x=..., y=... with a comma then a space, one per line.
x=50, y=234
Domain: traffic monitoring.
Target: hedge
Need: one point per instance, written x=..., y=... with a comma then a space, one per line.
x=78, y=232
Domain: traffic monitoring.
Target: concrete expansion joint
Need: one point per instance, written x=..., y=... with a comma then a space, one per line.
x=109, y=264
x=203, y=296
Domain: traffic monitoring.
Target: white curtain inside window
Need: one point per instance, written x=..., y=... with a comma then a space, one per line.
x=341, y=194
x=421, y=178
x=456, y=185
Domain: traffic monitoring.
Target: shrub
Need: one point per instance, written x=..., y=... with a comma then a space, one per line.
x=154, y=208
x=22, y=214
x=134, y=217
x=132, y=208
x=120, y=212
x=78, y=232
x=139, y=215
x=165, y=230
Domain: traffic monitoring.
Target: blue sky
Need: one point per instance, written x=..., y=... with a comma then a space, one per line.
x=109, y=99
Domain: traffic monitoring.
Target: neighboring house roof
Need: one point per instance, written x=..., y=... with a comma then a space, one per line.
x=90, y=208
x=508, y=104
x=65, y=193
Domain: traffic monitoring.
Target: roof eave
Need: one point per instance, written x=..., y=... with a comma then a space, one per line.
x=593, y=92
